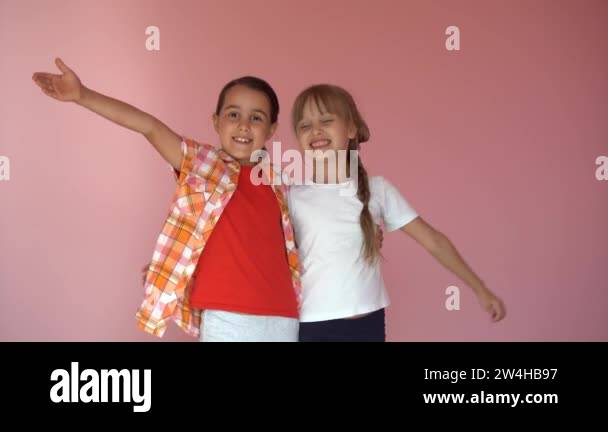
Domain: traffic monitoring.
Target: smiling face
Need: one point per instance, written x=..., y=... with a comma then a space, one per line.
x=244, y=122
x=319, y=129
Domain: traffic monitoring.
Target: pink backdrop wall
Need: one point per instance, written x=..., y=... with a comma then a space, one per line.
x=495, y=145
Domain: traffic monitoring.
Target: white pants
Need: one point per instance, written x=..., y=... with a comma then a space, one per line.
x=223, y=326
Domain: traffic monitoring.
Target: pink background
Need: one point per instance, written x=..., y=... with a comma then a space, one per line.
x=495, y=145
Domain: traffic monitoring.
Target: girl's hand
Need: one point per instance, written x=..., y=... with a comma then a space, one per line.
x=379, y=236
x=491, y=304
x=65, y=87
x=144, y=271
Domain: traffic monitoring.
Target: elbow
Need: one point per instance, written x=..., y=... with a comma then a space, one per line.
x=438, y=242
x=151, y=126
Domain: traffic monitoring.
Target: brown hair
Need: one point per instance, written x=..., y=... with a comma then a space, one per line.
x=253, y=83
x=338, y=101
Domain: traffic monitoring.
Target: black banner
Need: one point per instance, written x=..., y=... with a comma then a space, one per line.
x=144, y=379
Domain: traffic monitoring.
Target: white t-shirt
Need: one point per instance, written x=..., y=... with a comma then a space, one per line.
x=337, y=282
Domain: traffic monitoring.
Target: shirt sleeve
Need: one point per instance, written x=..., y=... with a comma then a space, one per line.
x=189, y=149
x=396, y=210
x=192, y=154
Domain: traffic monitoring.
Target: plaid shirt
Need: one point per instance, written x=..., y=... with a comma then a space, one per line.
x=205, y=183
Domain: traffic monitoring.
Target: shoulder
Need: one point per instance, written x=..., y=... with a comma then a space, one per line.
x=198, y=150
x=377, y=185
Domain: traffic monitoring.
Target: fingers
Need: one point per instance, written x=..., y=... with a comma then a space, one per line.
x=379, y=236
x=498, y=310
x=39, y=75
x=144, y=271
x=493, y=305
x=48, y=90
x=61, y=65
x=42, y=78
x=45, y=81
x=502, y=312
x=50, y=93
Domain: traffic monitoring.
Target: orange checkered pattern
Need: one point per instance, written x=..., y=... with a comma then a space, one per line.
x=206, y=181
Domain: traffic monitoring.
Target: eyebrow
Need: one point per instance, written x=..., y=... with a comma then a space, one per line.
x=326, y=113
x=255, y=110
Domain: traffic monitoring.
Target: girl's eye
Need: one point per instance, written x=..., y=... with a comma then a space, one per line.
x=304, y=127
x=326, y=121
x=257, y=118
x=233, y=114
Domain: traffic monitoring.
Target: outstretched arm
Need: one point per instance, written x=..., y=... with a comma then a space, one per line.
x=67, y=87
x=438, y=245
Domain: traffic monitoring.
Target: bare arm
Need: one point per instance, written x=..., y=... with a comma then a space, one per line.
x=66, y=87
x=438, y=245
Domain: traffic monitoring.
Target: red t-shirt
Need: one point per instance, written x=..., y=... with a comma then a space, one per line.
x=244, y=267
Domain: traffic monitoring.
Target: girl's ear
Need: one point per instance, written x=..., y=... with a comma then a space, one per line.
x=272, y=130
x=216, y=122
